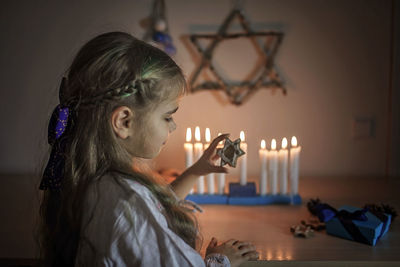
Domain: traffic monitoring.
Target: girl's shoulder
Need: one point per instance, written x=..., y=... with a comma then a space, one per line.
x=115, y=201
x=117, y=187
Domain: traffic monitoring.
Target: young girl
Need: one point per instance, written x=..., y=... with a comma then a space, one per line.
x=99, y=208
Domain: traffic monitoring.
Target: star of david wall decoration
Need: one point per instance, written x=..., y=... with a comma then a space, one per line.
x=266, y=77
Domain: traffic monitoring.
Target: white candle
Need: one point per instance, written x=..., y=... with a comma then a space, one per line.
x=210, y=176
x=220, y=176
x=188, y=146
x=243, y=160
x=294, y=166
x=273, y=167
x=283, y=165
x=263, y=159
x=198, y=152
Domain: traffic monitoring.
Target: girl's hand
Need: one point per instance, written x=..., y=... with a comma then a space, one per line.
x=206, y=164
x=236, y=251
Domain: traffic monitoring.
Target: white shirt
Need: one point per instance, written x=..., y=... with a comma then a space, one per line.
x=129, y=229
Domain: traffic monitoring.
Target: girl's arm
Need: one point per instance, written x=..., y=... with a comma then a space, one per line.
x=205, y=165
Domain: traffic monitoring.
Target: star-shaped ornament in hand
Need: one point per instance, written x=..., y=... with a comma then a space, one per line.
x=230, y=152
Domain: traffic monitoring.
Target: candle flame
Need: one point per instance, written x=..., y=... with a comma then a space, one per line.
x=294, y=141
x=188, y=135
x=284, y=143
x=197, y=134
x=273, y=144
x=242, y=136
x=208, y=135
x=263, y=144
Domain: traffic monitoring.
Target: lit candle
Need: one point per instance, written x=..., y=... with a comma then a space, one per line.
x=198, y=152
x=294, y=166
x=243, y=160
x=210, y=176
x=263, y=159
x=188, y=146
x=283, y=165
x=273, y=167
x=220, y=176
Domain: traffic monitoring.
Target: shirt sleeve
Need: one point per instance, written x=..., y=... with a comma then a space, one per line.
x=217, y=260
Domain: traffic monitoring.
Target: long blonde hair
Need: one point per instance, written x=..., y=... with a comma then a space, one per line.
x=101, y=78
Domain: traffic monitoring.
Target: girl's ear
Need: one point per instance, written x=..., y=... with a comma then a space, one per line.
x=121, y=121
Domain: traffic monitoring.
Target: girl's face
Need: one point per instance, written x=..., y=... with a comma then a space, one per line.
x=154, y=130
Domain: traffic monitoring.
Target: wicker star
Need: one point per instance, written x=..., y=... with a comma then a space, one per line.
x=265, y=77
x=230, y=152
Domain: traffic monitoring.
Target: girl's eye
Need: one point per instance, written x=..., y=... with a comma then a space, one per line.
x=169, y=119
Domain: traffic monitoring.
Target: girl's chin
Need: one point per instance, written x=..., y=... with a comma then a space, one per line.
x=157, y=153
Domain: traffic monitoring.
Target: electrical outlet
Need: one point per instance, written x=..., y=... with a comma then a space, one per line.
x=363, y=128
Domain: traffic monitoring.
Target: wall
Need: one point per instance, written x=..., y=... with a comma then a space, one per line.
x=334, y=60
x=394, y=166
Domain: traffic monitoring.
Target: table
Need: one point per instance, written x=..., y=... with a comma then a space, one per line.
x=268, y=227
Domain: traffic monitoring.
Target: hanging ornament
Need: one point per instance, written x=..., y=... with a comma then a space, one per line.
x=266, y=77
x=157, y=32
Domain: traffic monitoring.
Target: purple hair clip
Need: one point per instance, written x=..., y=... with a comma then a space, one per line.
x=62, y=120
x=60, y=117
x=59, y=123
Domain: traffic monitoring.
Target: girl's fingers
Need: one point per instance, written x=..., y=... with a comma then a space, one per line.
x=241, y=243
x=210, y=151
x=216, y=140
x=215, y=156
x=252, y=256
x=246, y=249
x=230, y=242
x=213, y=242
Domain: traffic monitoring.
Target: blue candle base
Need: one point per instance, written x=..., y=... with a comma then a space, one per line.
x=238, y=190
x=265, y=200
x=295, y=200
x=245, y=196
x=208, y=199
x=245, y=201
